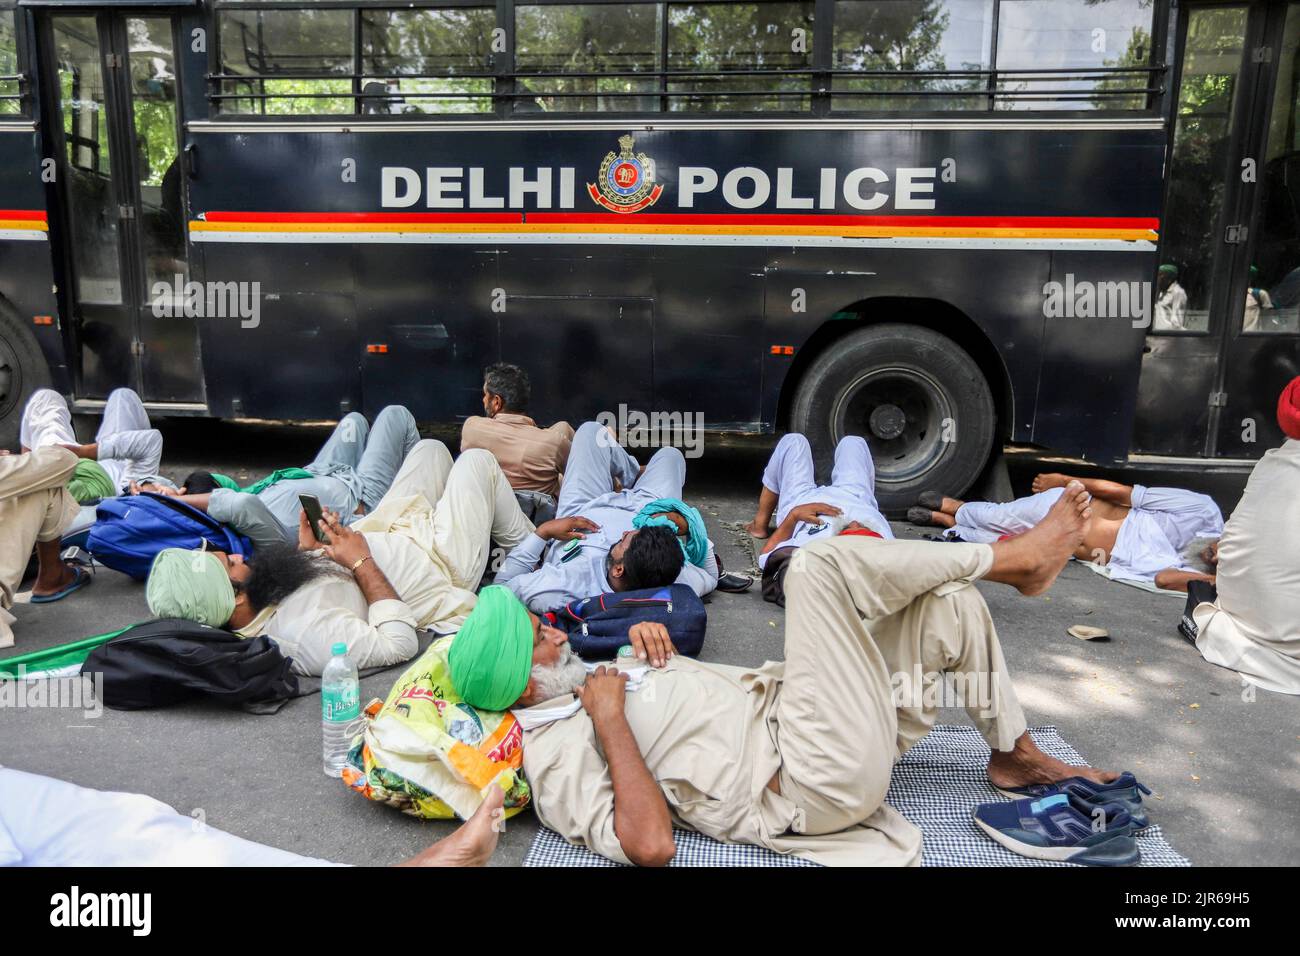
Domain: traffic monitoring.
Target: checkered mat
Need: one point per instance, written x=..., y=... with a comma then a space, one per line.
x=936, y=786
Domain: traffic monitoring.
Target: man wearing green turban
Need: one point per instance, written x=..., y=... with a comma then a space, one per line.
x=193, y=585
x=90, y=482
x=506, y=656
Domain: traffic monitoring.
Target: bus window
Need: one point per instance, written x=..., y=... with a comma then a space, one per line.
x=11, y=102
x=1083, y=37
x=709, y=39
x=596, y=49
x=299, y=58
x=934, y=36
x=1272, y=303
x=92, y=212
x=153, y=106
x=423, y=61
x=1190, y=237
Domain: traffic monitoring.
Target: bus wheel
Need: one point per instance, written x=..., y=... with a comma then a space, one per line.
x=22, y=371
x=920, y=401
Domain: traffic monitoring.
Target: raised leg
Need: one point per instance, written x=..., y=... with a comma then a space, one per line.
x=595, y=460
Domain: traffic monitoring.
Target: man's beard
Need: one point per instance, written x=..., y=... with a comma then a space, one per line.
x=276, y=571
x=564, y=676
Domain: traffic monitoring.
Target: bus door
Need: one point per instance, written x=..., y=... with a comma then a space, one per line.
x=1221, y=344
x=110, y=79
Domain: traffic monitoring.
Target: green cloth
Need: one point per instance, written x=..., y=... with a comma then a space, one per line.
x=1169, y=269
x=275, y=477
x=90, y=482
x=695, y=544
x=58, y=657
x=492, y=656
x=192, y=585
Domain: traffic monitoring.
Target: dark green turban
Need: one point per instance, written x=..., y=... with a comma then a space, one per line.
x=492, y=656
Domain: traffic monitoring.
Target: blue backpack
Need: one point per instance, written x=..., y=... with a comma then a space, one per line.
x=130, y=530
x=598, y=626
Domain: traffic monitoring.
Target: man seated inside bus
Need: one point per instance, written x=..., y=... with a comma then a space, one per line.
x=807, y=512
x=349, y=476
x=35, y=508
x=1171, y=301
x=1246, y=618
x=126, y=450
x=532, y=458
x=412, y=563
x=795, y=757
x=606, y=539
x=1152, y=536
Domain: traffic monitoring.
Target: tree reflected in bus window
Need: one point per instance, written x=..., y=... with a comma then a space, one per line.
x=10, y=100
x=1272, y=303
x=1198, y=168
x=598, y=50
x=423, y=61
x=294, y=56
x=1083, y=36
x=710, y=39
x=931, y=36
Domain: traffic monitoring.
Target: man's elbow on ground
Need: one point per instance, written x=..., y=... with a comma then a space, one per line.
x=657, y=851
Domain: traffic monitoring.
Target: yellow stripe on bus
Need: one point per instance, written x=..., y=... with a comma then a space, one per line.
x=854, y=232
x=35, y=225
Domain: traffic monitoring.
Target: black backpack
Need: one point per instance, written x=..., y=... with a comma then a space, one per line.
x=172, y=660
x=598, y=626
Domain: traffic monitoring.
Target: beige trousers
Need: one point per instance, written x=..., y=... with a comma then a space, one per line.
x=872, y=628
x=34, y=506
x=474, y=505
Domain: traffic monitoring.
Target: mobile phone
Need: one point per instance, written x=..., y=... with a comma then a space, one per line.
x=311, y=505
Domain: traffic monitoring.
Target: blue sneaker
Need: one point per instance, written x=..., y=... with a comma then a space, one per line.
x=1124, y=790
x=1055, y=828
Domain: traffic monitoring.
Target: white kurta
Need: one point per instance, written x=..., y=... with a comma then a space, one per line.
x=129, y=448
x=1253, y=626
x=48, y=822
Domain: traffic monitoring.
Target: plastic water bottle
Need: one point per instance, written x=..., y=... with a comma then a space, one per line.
x=340, y=705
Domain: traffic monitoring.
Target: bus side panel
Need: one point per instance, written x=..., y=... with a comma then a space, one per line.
x=1088, y=392
x=26, y=257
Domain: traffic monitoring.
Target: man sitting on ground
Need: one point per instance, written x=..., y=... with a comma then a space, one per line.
x=795, y=757
x=1247, y=619
x=1158, y=536
x=594, y=546
x=411, y=564
x=349, y=476
x=790, y=491
x=35, y=508
x=48, y=822
x=532, y=458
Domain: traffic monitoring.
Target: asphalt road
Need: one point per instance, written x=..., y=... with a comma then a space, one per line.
x=1224, y=764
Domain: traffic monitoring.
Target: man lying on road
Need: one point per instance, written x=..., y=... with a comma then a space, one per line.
x=795, y=757
x=593, y=545
x=349, y=476
x=411, y=564
x=1137, y=533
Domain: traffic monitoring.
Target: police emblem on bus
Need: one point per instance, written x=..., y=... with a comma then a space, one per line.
x=626, y=181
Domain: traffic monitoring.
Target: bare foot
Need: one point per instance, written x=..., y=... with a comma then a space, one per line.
x=1026, y=765
x=53, y=580
x=1030, y=562
x=474, y=840
x=759, y=529
x=1049, y=480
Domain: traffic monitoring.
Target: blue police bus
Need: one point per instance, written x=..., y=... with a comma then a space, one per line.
x=947, y=225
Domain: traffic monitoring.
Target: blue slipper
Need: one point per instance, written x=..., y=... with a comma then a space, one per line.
x=1055, y=828
x=80, y=579
x=1124, y=790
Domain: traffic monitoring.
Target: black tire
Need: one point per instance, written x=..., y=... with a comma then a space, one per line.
x=921, y=402
x=22, y=371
